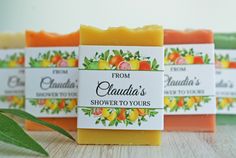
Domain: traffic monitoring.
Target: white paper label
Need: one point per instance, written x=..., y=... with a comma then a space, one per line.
x=121, y=87
x=12, y=78
x=51, y=81
x=189, y=79
x=226, y=81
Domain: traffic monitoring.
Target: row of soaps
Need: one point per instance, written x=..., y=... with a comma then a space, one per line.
x=188, y=52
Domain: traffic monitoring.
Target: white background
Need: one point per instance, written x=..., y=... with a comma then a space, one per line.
x=66, y=15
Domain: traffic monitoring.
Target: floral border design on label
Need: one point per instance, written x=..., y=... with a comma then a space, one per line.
x=55, y=106
x=17, y=102
x=116, y=116
x=175, y=103
x=224, y=61
x=120, y=60
x=54, y=59
x=15, y=60
x=225, y=103
x=176, y=56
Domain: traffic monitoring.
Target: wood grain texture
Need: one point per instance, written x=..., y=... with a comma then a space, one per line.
x=175, y=145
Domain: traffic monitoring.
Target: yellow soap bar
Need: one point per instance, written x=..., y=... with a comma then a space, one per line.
x=120, y=36
x=12, y=40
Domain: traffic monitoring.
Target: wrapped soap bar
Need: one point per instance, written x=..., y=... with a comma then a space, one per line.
x=225, y=61
x=12, y=70
x=189, y=81
x=51, y=83
x=120, y=99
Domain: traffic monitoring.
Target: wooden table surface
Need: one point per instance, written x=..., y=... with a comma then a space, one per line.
x=175, y=144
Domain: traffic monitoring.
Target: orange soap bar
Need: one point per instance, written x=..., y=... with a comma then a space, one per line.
x=196, y=122
x=45, y=39
x=120, y=36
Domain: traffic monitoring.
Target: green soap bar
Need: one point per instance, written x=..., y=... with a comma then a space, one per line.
x=225, y=40
x=223, y=119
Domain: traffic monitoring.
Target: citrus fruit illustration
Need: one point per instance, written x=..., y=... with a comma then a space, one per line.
x=62, y=63
x=133, y=116
x=124, y=66
x=105, y=112
x=72, y=104
x=190, y=102
x=166, y=60
x=189, y=59
x=20, y=102
x=103, y=65
x=55, y=59
x=224, y=63
x=172, y=103
x=21, y=60
x=166, y=101
x=173, y=56
x=121, y=116
x=144, y=65
x=97, y=111
x=12, y=63
x=61, y=104
x=141, y=112
x=180, y=102
x=180, y=60
x=72, y=62
x=48, y=103
x=112, y=116
x=197, y=99
x=198, y=60
x=45, y=63
x=116, y=60
x=232, y=64
x=41, y=101
x=134, y=63
x=53, y=106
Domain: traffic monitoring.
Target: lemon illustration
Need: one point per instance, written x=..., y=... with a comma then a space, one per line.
x=166, y=101
x=105, y=112
x=133, y=116
x=230, y=100
x=53, y=106
x=172, y=103
x=224, y=63
x=48, y=103
x=103, y=65
x=112, y=116
x=72, y=104
x=134, y=64
x=166, y=61
x=72, y=62
x=45, y=63
x=189, y=59
x=190, y=102
x=15, y=100
x=20, y=102
x=12, y=63
x=197, y=99
x=224, y=103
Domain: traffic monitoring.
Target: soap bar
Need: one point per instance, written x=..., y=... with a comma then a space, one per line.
x=225, y=59
x=48, y=40
x=117, y=37
x=12, y=70
x=225, y=40
x=175, y=119
x=12, y=40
